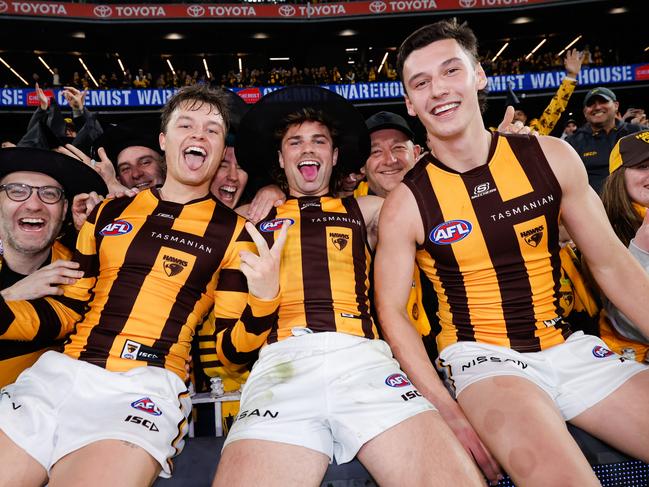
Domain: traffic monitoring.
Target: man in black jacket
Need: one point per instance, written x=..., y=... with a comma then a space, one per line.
x=596, y=138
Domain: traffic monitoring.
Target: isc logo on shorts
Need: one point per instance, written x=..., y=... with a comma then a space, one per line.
x=147, y=405
x=450, y=232
x=601, y=352
x=118, y=227
x=397, y=380
x=274, y=225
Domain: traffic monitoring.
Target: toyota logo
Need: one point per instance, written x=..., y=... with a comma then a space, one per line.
x=103, y=11
x=3, y=7
x=467, y=3
x=196, y=10
x=377, y=6
x=287, y=10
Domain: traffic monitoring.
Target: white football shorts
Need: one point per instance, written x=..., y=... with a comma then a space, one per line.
x=61, y=404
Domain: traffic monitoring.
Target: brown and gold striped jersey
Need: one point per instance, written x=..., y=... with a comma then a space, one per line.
x=152, y=271
x=491, y=246
x=15, y=355
x=323, y=276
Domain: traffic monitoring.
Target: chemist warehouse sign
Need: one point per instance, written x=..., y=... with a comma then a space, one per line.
x=603, y=75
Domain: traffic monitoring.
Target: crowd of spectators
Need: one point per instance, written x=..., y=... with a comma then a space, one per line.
x=274, y=76
x=290, y=75
x=545, y=62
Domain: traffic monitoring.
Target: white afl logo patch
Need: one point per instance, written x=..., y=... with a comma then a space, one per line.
x=274, y=225
x=450, y=231
x=118, y=227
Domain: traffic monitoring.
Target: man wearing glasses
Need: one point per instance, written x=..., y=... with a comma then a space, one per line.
x=35, y=186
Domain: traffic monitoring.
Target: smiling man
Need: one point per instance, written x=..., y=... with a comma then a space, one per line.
x=392, y=154
x=133, y=148
x=35, y=189
x=325, y=385
x=480, y=213
x=595, y=140
x=112, y=408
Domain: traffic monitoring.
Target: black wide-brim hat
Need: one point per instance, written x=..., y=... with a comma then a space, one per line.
x=143, y=131
x=237, y=108
x=256, y=146
x=75, y=176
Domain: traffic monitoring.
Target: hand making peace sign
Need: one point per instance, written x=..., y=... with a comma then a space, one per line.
x=262, y=271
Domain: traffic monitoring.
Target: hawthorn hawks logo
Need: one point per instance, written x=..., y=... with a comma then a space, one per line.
x=339, y=240
x=534, y=236
x=103, y=11
x=173, y=265
x=377, y=7
x=287, y=10
x=196, y=10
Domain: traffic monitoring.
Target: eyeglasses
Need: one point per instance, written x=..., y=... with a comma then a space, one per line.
x=21, y=192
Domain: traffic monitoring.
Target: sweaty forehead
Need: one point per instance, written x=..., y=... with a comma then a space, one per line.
x=31, y=178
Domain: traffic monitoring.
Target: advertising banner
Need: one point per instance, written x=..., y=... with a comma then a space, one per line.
x=206, y=11
x=547, y=80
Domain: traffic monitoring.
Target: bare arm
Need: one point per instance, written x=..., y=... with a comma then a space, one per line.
x=621, y=278
x=371, y=209
x=400, y=229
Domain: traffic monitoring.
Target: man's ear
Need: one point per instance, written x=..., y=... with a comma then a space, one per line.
x=162, y=141
x=335, y=156
x=481, y=77
x=281, y=159
x=409, y=107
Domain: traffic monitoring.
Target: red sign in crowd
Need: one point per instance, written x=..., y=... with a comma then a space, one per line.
x=285, y=11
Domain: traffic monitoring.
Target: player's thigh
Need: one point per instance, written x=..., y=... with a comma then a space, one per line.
x=621, y=419
x=524, y=430
x=421, y=449
x=18, y=467
x=108, y=463
x=258, y=462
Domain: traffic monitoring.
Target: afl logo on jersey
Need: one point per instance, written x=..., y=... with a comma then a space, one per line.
x=601, y=352
x=118, y=227
x=274, y=225
x=397, y=380
x=146, y=405
x=450, y=232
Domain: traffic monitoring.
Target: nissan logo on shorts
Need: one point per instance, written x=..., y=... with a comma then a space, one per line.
x=287, y=10
x=377, y=7
x=103, y=11
x=196, y=10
